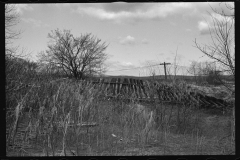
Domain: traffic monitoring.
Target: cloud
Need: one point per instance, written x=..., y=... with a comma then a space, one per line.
x=126, y=64
x=172, y=23
x=36, y=23
x=122, y=6
x=144, y=41
x=60, y=5
x=21, y=7
x=117, y=65
x=129, y=40
x=221, y=18
x=120, y=12
x=203, y=27
x=212, y=21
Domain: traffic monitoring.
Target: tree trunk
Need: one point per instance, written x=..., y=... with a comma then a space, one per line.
x=75, y=74
x=80, y=75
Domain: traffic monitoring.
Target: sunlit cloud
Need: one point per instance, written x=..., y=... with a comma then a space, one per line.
x=129, y=40
x=203, y=27
x=126, y=64
x=127, y=11
x=207, y=25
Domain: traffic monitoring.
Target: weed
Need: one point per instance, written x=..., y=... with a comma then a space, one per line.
x=78, y=118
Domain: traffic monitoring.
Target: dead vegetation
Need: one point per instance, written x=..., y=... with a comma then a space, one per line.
x=50, y=116
x=73, y=118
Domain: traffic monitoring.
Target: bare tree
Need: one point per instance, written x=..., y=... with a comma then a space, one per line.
x=11, y=20
x=175, y=65
x=78, y=56
x=206, y=72
x=193, y=70
x=222, y=48
x=174, y=69
x=229, y=6
x=15, y=67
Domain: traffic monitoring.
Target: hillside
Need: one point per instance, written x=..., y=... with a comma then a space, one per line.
x=162, y=77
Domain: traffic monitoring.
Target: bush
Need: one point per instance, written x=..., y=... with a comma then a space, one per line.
x=213, y=78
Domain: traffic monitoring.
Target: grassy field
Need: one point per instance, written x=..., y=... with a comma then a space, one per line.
x=67, y=117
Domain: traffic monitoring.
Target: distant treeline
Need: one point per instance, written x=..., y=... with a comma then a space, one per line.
x=169, y=77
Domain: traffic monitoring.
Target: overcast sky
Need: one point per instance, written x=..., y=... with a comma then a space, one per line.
x=138, y=34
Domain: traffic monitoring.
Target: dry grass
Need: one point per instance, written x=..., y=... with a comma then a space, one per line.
x=54, y=117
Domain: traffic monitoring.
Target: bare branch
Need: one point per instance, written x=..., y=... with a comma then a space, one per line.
x=222, y=35
x=11, y=20
x=76, y=55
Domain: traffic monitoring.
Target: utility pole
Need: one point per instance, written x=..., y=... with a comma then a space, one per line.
x=165, y=68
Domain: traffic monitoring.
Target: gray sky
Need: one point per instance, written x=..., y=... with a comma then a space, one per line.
x=138, y=34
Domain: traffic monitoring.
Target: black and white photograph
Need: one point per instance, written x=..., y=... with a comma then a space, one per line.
x=120, y=79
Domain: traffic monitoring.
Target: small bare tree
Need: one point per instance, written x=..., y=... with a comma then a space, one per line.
x=78, y=56
x=175, y=65
x=193, y=70
x=222, y=48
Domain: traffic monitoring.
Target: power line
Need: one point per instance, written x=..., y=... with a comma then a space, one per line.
x=134, y=68
x=165, y=68
x=142, y=67
x=150, y=66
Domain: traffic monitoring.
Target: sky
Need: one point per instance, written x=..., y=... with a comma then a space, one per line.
x=137, y=34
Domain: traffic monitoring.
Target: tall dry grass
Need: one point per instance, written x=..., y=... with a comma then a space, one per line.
x=69, y=117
